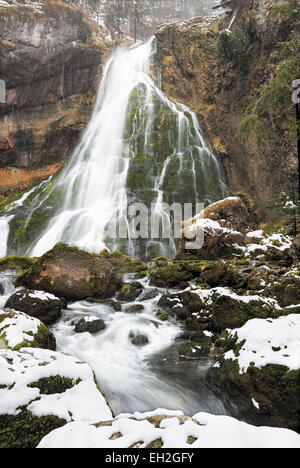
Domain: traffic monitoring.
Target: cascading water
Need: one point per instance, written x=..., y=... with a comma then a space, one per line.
x=139, y=147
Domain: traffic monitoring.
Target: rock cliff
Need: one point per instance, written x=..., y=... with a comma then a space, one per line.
x=220, y=90
x=51, y=58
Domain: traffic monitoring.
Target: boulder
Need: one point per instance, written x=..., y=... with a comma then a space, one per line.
x=135, y=309
x=260, y=371
x=18, y=330
x=234, y=213
x=90, y=324
x=131, y=291
x=41, y=305
x=222, y=274
x=174, y=275
x=73, y=274
x=45, y=391
x=217, y=309
x=214, y=241
x=138, y=339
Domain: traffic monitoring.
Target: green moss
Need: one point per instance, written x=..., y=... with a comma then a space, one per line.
x=26, y=430
x=164, y=316
x=289, y=10
x=16, y=262
x=54, y=385
x=174, y=274
x=233, y=46
x=269, y=115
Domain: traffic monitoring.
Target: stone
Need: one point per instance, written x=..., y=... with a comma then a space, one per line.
x=44, y=306
x=131, y=291
x=90, y=324
x=18, y=330
x=73, y=274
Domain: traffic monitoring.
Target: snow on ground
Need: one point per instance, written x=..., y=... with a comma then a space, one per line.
x=16, y=328
x=268, y=342
x=174, y=430
x=82, y=402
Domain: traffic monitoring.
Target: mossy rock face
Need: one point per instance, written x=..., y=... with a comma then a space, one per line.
x=38, y=304
x=16, y=262
x=131, y=291
x=18, y=330
x=221, y=274
x=73, y=274
x=275, y=388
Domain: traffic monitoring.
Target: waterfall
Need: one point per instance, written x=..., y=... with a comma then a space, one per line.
x=139, y=146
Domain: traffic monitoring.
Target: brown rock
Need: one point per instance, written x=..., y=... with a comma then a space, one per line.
x=72, y=274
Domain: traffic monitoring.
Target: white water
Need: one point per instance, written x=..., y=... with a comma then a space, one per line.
x=124, y=371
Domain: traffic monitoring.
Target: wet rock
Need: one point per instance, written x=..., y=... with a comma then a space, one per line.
x=135, y=309
x=195, y=349
x=73, y=274
x=90, y=324
x=18, y=330
x=109, y=302
x=138, y=339
x=149, y=294
x=131, y=291
x=43, y=306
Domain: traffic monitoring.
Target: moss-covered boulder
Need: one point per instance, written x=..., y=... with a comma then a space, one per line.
x=43, y=306
x=16, y=262
x=41, y=390
x=73, y=274
x=217, y=309
x=174, y=275
x=222, y=274
x=18, y=330
x=230, y=310
x=260, y=371
x=131, y=291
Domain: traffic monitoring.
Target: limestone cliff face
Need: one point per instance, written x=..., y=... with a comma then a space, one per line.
x=51, y=58
x=220, y=92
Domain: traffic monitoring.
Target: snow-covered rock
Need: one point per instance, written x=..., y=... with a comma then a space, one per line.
x=18, y=330
x=263, y=365
x=169, y=429
x=37, y=383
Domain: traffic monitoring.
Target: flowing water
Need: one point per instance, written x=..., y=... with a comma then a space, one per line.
x=139, y=147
